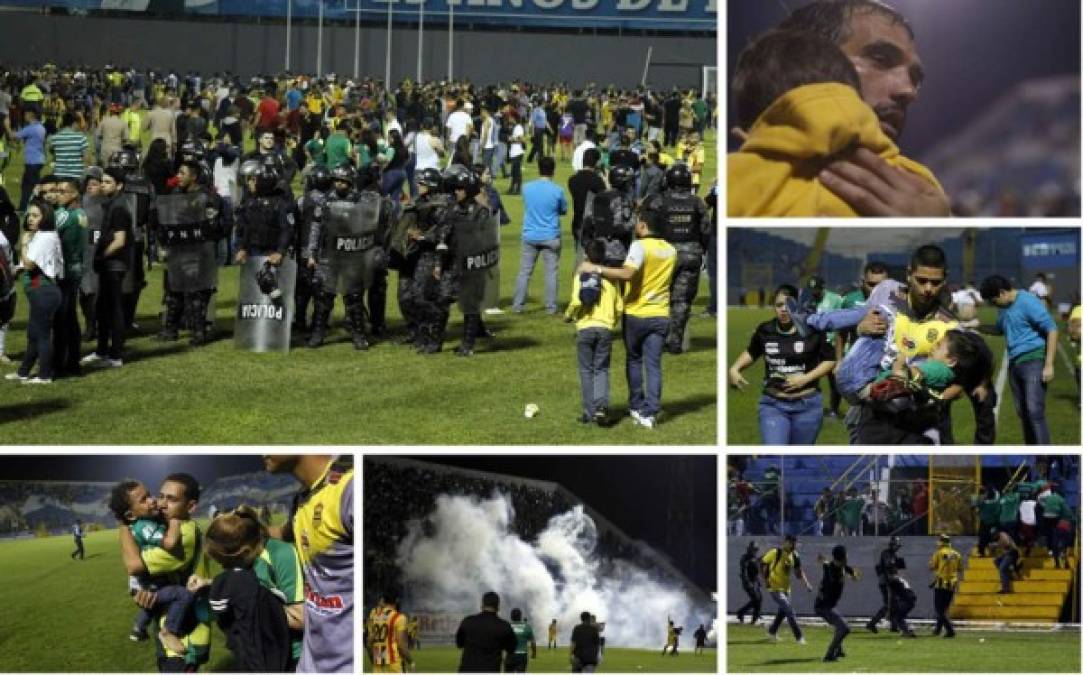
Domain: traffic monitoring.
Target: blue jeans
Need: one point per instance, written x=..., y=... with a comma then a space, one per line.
x=643, y=342
x=791, y=422
x=785, y=611
x=44, y=303
x=1028, y=390
x=1005, y=563
x=860, y=366
x=175, y=600
x=391, y=186
x=594, y=346
x=550, y=253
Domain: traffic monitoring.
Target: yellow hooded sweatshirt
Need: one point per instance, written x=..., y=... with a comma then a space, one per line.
x=775, y=171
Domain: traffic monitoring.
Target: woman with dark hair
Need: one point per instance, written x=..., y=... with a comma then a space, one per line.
x=395, y=169
x=462, y=154
x=157, y=167
x=791, y=407
x=42, y=264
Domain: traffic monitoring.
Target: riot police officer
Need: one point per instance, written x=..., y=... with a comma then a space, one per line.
x=310, y=205
x=138, y=195
x=890, y=561
x=686, y=225
x=474, y=241
x=610, y=215
x=187, y=223
x=369, y=180
x=265, y=219
x=343, y=245
x=412, y=243
x=268, y=152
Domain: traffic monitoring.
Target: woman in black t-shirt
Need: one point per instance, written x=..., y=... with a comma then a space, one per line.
x=790, y=410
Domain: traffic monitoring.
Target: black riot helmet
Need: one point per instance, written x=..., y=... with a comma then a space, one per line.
x=430, y=178
x=894, y=543
x=458, y=177
x=678, y=176
x=267, y=280
x=621, y=177
x=250, y=167
x=267, y=181
x=192, y=151
x=344, y=171
x=127, y=158
x=319, y=178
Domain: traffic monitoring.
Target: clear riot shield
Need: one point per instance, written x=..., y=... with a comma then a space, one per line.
x=95, y=214
x=261, y=324
x=350, y=231
x=185, y=231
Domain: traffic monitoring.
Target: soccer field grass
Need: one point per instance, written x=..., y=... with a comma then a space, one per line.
x=64, y=615
x=616, y=660
x=748, y=651
x=170, y=393
x=742, y=418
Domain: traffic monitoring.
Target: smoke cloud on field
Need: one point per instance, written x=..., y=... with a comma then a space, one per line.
x=468, y=546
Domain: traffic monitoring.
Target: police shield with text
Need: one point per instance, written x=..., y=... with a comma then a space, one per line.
x=685, y=225
x=187, y=227
x=610, y=215
x=476, y=235
x=347, y=246
x=266, y=221
x=413, y=253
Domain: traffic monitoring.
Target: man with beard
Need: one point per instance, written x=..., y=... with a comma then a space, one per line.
x=321, y=527
x=71, y=226
x=879, y=41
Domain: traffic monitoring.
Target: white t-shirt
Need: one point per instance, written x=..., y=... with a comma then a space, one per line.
x=457, y=124
x=1040, y=289
x=1026, y=512
x=963, y=297
x=225, y=180
x=45, y=252
x=577, y=154
x=515, y=148
x=426, y=155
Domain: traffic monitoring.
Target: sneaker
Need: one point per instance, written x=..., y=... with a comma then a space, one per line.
x=601, y=417
x=38, y=380
x=138, y=635
x=90, y=358
x=645, y=421
x=492, y=311
x=802, y=641
x=16, y=376
x=771, y=636
x=114, y=363
x=798, y=315
x=830, y=659
x=740, y=618
x=871, y=627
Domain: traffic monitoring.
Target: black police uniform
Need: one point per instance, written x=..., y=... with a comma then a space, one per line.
x=686, y=225
x=889, y=560
x=430, y=298
x=135, y=280
x=310, y=205
x=265, y=224
x=834, y=579
x=483, y=637
x=750, y=581
x=427, y=210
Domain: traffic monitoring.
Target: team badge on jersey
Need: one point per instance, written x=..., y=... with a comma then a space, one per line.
x=798, y=347
x=317, y=515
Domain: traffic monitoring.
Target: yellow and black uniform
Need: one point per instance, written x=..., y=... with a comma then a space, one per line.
x=384, y=632
x=553, y=635
x=161, y=563
x=413, y=632
x=945, y=564
x=321, y=527
x=775, y=172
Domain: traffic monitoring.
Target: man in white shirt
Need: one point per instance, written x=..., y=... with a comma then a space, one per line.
x=966, y=301
x=577, y=154
x=427, y=148
x=459, y=122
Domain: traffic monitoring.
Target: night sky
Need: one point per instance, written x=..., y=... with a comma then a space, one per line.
x=150, y=469
x=628, y=490
x=974, y=51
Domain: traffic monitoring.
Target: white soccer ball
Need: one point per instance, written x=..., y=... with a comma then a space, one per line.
x=530, y=410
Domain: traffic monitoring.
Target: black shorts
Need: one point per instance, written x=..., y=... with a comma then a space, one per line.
x=516, y=663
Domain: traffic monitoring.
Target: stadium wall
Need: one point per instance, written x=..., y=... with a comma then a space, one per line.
x=252, y=48
x=860, y=598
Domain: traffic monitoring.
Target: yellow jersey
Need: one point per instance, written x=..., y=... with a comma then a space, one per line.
x=159, y=562
x=945, y=565
x=779, y=566
x=915, y=338
x=646, y=295
x=603, y=314
x=775, y=172
x=386, y=626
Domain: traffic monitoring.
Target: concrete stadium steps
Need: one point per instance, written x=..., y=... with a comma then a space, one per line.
x=1035, y=552
x=991, y=574
x=1016, y=599
x=978, y=587
x=1031, y=563
x=1045, y=613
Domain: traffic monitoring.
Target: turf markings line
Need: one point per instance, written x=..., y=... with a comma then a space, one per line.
x=1064, y=356
x=1002, y=377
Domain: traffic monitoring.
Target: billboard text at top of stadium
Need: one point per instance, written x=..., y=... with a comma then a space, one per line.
x=666, y=15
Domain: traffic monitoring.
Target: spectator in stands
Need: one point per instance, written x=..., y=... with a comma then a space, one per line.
x=920, y=502
x=850, y=514
x=790, y=407
x=822, y=509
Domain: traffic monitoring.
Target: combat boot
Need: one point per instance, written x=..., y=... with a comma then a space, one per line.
x=199, y=322
x=171, y=318
x=427, y=342
x=355, y=315
x=470, y=333
x=321, y=316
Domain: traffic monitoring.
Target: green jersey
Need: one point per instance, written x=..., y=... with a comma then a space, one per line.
x=1054, y=506
x=71, y=227
x=829, y=302
x=1009, y=508
x=279, y=571
x=315, y=150
x=524, y=635
x=989, y=511
x=148, y=533
x=337, y=149
x=850, y=513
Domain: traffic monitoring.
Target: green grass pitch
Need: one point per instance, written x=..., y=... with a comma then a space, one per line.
x=169, y=393
x=748, y=651
x=64, y=615
x=742, y=418
x=616, y=660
